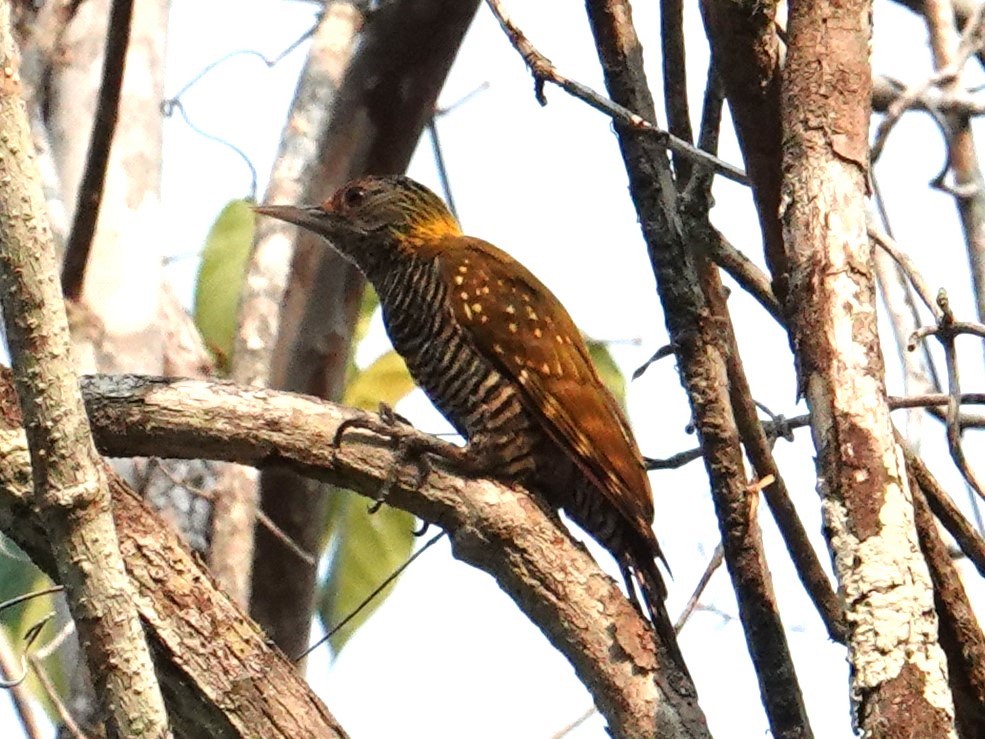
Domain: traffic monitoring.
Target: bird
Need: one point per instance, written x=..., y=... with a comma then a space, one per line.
x=499, y=355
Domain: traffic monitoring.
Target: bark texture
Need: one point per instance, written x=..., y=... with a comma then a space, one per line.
x=500, y=530
x=219, y=676
x=69, y=482
x=899, y=676
x=701, y=350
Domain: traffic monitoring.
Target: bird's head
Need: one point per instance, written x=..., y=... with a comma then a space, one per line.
x=373, y=214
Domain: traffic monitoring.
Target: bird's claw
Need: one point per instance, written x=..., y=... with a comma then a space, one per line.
x=410, y=447
x=387, y=423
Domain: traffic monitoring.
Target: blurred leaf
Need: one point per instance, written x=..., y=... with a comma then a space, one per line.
x=20, y=577
x=220, y=278
x=367, y=308
x=385, y=380
x=608, y=371
x=368, y=548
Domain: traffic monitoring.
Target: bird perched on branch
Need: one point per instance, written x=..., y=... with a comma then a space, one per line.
x=500, y=357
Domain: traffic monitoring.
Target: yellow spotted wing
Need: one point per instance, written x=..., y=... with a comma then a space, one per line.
x=520, y=326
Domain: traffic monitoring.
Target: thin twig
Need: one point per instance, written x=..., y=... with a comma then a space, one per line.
x=43, y=651
x=886, y=91
x=661, y=353
x=674, y=65
x=946, y=330
x=697, y=190
x=439, y=162
x=888, y=244
x=19, y=693
x=563, y=732
x=103, y=127
x=17, y=600
x=269, y=62
x=439, y=157
x=954, y=406
x=780, y=430
x=442, y=112
x=952, y=329
x=170, y=107
x=919, y=371
x=674, y=461
x=544, y=71
x=933, y=399
x=262, y=518
x=971, y=43
x=64, y=715
x=713, y=564
x=371, y=597
x=30, y=636
x=969, y=541
x=749, y=276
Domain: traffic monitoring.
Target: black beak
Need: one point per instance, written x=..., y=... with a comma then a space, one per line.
x=312, y=218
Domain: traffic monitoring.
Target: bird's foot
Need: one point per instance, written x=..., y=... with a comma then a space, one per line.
x=384, y=425
x=411, y=446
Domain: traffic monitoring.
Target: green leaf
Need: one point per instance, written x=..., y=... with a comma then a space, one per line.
x=608, y=371
x=367, y=307
x=367, y=549
x=386, y=380
x=220, y=278
x=20, y=577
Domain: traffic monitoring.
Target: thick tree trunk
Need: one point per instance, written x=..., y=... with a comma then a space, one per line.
x=899, y=676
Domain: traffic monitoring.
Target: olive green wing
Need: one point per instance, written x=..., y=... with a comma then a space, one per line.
x=518, y=324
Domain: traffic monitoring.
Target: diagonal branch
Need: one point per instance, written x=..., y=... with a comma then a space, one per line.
x=701, y=353
x=959, y=633
x=101, y=139
x=70, y=487
x=969, y=541
x=544, y=71
x=747, y=55
x=498, y=529
x=219, y=675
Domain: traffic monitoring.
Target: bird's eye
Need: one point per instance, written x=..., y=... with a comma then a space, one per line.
x=353, y=196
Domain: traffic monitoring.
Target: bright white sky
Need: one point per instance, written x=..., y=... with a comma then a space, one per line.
x=449, y=655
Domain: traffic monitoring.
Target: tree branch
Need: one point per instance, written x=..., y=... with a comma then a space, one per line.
x=90, y=195
x=959, y=633
x=293, y=177
x=544, y=71
x=701, y=351
x=219, y=676
x=747, y=55
x=499, y=530
x=899, y=674
x=70, y=485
